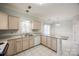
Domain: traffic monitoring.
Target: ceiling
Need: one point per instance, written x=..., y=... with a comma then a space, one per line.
x=48, y=12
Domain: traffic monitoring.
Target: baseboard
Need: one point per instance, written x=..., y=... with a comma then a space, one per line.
x=25, y=49
x=33, y=47
x=49, y=48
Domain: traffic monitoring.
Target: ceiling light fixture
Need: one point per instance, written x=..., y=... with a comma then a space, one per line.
x=57, y=24
x=41, y=3
x=27, y=11
x=29, y=7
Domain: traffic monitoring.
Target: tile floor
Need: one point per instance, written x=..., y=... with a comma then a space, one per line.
x=38, y=51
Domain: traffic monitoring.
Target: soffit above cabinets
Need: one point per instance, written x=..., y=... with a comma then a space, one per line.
x=48, y=12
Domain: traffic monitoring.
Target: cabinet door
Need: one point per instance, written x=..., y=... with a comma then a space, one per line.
x=54, y=44
x=13, y=22
x=41, y=40
x=36, y=25
x=18, y=45
x=3, y=21
x=49, y=43
x=25, y=43
x=31, y=41
x=12, y=47
x=44, y=40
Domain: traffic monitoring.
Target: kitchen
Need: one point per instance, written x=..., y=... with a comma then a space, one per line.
x=31, y=29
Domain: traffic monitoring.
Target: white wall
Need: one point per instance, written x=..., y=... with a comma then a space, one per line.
x=75, y=48
x=65, y=29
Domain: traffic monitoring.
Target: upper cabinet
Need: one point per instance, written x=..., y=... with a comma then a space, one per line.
x=13, y=22
x=8, y=22
x=36, y=25
x=3, y=21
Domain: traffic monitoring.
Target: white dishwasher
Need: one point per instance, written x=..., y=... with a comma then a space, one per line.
x=36, y=40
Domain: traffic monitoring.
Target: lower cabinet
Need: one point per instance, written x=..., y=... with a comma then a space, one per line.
x=54, y=44
x=25, y=43
x=18, y=45
x=43, y=40
x=12, y=47
x=31, y=41
x=49, y=43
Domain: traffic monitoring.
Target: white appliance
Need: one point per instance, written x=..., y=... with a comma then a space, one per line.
x=36, y=39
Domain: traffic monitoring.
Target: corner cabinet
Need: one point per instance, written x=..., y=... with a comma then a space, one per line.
x=44, y=40
x=50, y=42
x=8, y=22
x=13, y=22
x=3, y=21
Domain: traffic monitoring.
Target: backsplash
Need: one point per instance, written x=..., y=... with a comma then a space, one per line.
x=7, y=32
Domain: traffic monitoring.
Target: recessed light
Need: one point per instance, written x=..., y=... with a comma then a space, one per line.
x=57, y=24
x=27, y=11
x=29, y=7
x=40, y=3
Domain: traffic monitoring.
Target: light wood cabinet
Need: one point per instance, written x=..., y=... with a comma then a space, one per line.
x=25, y=43
x=31, y=41
x=54, y=44
x=44, y=40
x=13, y=22
x=3, y=21
x=49, y=43
x=36, y=25
x=19, y=45
x=8, y=22
x=12, y=47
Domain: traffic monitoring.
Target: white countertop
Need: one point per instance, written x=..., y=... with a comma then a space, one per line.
x=13, y=37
